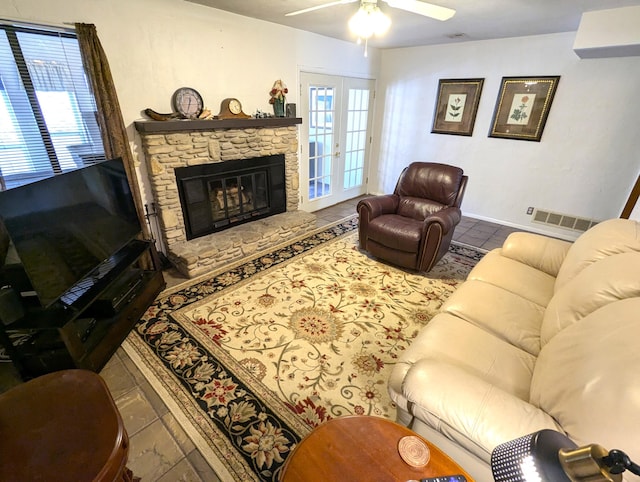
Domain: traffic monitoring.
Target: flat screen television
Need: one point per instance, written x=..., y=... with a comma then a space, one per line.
x=62, y=228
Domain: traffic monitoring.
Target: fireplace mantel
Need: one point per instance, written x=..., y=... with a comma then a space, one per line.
x=156, y=127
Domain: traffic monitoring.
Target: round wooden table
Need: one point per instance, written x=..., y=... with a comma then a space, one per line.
x=62, y=426
x=361, y=448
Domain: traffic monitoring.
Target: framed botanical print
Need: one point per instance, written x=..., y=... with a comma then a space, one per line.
x=456, y=106
x=523, y=106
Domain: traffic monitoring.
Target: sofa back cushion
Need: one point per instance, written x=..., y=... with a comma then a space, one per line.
x=586, y=378
x=610, y=237
x=608, y=280
x=417, y=208
x=439, y=183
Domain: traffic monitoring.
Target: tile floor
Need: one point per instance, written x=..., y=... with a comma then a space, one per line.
x=481, y=234
x=160, y=450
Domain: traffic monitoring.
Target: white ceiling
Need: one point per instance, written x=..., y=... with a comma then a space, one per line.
x=474, y=20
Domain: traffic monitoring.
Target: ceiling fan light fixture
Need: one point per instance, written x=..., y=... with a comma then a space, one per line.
x=369, y=20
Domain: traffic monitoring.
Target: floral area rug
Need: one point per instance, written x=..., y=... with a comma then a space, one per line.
x=256, y=357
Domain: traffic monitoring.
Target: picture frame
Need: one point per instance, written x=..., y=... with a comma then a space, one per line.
x=456, y=106
x=523, y=106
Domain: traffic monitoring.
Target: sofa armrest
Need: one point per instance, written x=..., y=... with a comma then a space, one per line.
x=375, y=206
x=538, y=251
x=437, y=231
x=369, y=209
x=467, y=409
x=448, y=218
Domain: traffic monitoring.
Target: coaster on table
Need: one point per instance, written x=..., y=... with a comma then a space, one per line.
x=414, y=451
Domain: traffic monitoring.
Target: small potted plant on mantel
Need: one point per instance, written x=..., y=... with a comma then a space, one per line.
x=278, y=97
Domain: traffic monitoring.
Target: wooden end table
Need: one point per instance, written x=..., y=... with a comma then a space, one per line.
x=361, y=448
x=62, y=426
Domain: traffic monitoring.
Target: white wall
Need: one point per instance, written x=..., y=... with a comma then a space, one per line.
x=585, y=165
x=157, y=46
x=586, y=162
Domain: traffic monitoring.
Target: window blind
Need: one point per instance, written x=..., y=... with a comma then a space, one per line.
x=47, y=110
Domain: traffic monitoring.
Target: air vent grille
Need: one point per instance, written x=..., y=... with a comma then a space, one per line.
x=562, y=220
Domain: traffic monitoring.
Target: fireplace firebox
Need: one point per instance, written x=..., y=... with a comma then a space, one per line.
x=220, y=195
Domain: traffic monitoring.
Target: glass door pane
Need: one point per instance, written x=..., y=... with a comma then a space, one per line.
x=356, y=137
x=321, y=139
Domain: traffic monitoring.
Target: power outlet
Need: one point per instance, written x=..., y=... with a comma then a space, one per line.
x=529, y=210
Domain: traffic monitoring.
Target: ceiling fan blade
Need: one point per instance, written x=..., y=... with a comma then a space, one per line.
x=318, y=7
x=422, y=8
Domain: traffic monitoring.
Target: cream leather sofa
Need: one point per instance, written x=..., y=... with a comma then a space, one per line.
x=543, y=334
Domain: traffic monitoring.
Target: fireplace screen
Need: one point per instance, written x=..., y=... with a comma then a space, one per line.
x=238, y=195
x=217, y=196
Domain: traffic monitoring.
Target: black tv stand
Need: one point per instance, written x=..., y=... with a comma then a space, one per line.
x=89, y=322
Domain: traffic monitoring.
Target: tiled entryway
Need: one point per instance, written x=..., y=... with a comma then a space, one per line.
x=481, y=234
x=159, y=449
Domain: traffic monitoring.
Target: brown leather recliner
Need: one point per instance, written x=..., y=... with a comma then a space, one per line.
x=413, y=226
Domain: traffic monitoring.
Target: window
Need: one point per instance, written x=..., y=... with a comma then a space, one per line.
x=47, y=111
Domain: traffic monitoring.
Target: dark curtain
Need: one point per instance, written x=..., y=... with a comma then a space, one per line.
x=109, y=117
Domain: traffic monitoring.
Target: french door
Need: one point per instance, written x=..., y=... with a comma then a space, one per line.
x=335, y=138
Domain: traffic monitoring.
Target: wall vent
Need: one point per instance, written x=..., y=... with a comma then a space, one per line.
x=562, y=220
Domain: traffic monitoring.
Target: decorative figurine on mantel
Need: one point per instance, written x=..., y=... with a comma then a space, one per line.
x=277, y=94
x=152, y=114
x=262, y=115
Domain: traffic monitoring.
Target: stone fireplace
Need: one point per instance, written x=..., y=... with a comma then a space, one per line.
x=217, y=196
x=236, y=149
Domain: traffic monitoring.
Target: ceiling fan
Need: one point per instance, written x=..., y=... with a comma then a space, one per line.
x=413, y=6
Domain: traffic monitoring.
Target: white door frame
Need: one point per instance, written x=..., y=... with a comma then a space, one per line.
x=348, y=126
